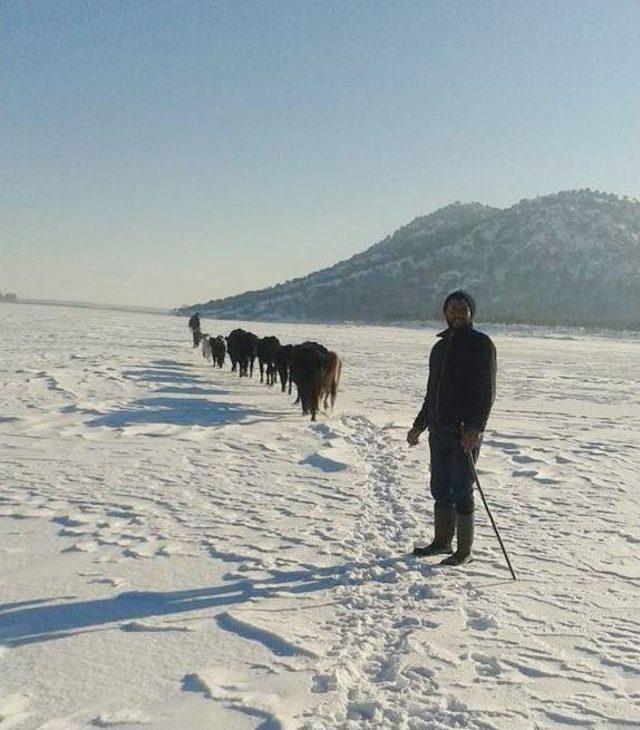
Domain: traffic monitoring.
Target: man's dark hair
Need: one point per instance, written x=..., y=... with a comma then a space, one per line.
x=465, y=296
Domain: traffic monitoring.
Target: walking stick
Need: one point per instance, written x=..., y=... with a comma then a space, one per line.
x=486, y=506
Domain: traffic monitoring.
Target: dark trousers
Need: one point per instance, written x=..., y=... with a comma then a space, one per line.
x=451, y=475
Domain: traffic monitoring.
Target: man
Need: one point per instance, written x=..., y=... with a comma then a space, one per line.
x=460, y=393
x=194, y=326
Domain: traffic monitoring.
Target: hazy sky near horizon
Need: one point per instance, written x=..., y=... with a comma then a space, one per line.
x=164, y=153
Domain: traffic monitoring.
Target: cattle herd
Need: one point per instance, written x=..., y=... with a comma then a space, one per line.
x=314, y=370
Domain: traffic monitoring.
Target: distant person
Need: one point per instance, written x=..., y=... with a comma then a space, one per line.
x=460, y=393
x=194, y=326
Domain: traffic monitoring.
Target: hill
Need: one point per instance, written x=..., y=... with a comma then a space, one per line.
x=572, y=258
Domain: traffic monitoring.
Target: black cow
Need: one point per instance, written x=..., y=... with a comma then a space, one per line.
x=267, y=348
x=234, y=339
x=250, y=352
x=218, y=350
x=243, y=349
x=282, y=362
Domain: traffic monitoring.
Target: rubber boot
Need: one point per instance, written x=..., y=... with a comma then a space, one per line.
x=444, y=526
x=464, y=531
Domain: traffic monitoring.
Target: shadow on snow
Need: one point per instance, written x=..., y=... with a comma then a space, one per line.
x=178, y=412
x=160, y=375
x=176, y=378
x=33, y=624
x=171, y=364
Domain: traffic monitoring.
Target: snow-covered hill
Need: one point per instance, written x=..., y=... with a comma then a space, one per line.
x=569, y=258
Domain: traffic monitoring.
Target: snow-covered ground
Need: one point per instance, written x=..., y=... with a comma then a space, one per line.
x=181, y=549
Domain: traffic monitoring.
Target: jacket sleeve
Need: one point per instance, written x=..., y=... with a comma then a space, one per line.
x=484, y=386
x=421, y=421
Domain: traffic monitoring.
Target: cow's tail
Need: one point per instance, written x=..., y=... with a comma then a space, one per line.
x=335, y=372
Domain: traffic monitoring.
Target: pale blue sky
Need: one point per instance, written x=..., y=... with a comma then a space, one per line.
x=163, y=152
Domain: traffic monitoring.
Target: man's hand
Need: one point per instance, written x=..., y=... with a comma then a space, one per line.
x=470, y=439
x=413, y=436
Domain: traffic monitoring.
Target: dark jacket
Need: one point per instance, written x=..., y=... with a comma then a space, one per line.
x=194, y=322
x=462, y=381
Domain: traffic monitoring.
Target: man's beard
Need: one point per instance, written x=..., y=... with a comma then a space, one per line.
x=457, y=323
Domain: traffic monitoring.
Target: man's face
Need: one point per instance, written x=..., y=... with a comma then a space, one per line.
x=457, y=313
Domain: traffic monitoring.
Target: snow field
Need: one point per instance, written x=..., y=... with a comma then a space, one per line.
x=180, y=548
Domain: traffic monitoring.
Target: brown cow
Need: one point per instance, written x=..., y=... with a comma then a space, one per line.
x=316, y=373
